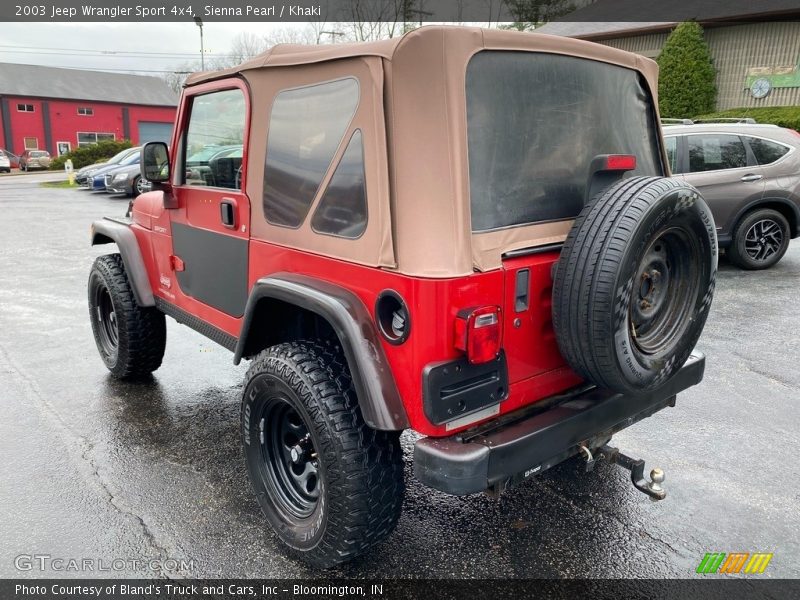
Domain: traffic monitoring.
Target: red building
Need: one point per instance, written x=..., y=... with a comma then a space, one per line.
x=53, y=109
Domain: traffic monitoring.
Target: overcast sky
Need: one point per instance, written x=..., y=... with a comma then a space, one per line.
x=177, y=38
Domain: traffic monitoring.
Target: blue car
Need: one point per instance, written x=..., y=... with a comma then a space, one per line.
x=96, y=181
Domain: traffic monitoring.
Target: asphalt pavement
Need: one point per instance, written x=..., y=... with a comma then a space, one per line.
x=151, y=474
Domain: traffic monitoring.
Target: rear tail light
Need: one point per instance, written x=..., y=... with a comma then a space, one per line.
x=478, y=333
x=620, y=162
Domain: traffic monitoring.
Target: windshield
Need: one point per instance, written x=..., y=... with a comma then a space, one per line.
x=118, y=157
x=534, y=123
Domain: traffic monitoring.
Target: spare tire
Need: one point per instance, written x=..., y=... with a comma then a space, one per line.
x=634, y=283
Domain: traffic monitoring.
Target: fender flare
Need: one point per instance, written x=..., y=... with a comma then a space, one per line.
x=374, y=383
x=109, y=231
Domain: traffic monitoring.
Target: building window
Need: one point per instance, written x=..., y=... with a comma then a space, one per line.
x=31, y=143
x=25, y=107
x=85, y=111
x=88, y=138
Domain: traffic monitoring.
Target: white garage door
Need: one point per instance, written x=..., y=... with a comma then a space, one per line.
x=154, y=132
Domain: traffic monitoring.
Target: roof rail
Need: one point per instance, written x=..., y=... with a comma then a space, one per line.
x=665, y=121
x=743, y=120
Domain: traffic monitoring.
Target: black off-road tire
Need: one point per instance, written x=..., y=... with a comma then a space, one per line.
x=130, y=338
x=358, y=471
x=753, y=248
x=634, y=283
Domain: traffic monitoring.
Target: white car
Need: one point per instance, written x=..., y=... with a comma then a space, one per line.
x=5, y=164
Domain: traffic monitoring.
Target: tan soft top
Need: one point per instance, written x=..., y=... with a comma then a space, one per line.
x=421, y=78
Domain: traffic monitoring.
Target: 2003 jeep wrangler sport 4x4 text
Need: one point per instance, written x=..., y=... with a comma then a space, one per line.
x=469, y=233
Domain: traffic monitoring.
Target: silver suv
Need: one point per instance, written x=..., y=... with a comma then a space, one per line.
x=749, y=174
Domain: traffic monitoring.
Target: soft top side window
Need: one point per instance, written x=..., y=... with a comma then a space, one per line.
x=342, y=210
x=306, y=127
x=214, y=140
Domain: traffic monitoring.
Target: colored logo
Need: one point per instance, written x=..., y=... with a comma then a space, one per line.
x=737, y=562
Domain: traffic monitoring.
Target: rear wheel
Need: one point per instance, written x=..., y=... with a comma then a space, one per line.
x=330, y=486
x=130, y=338
x=634, y=283
x=760, y=239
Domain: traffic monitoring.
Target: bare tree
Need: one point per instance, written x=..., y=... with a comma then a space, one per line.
x=176, y=79
x=245, y=46
x=528, y=14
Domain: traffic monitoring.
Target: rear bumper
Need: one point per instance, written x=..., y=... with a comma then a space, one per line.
x=530, y=441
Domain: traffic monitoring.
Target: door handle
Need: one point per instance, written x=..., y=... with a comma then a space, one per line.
x=751, y=177
x=227, y=212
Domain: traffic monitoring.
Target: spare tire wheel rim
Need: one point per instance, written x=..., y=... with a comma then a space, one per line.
x=665, y=292
x=763, y=239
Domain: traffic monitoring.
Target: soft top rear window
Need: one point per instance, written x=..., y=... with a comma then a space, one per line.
x=534, y=123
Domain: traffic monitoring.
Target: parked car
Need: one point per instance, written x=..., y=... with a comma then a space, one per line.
x=5, y=164
x=96, y=179
x=12, y=158
x=34, y=159
x=126, y=180
x=488, y=251
x=83, y=174
x=750, y=176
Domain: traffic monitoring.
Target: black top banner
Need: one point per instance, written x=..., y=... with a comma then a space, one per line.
x=439, y=11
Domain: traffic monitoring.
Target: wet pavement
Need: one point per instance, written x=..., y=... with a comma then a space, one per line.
x=92, y=468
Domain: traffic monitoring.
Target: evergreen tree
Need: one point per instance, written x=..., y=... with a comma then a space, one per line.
x=686, y=85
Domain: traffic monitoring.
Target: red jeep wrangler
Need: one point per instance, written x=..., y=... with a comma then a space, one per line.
x=468, y=233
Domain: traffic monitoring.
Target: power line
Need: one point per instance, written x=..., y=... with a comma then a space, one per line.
x=104, y=53
x=113, y=69
x=127, y=52
x=109, y=55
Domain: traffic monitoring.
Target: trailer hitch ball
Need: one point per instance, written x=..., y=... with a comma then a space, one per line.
x=657, y=478
x=652, y=488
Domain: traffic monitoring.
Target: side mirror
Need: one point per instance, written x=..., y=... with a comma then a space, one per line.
x=155, y=162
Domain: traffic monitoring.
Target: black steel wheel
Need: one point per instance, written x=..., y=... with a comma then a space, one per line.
x=106, y=319
x=330, y=487
x=662, y=303
x=290, y=460
x=130, y=338
x=760, y=239
x=634, y=283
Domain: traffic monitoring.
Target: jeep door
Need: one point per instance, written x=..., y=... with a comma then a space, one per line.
x=725, y=172
x=211, y=226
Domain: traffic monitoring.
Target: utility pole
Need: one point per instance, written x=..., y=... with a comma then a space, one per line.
x=199, y=22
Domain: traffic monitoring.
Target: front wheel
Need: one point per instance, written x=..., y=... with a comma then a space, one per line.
x=760, y=240
x=330, y=486
x=130, y=338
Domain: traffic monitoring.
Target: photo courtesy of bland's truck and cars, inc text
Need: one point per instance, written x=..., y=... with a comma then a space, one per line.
x=404, y=299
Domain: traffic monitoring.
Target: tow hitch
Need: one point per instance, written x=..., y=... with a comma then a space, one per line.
x=612, y=455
